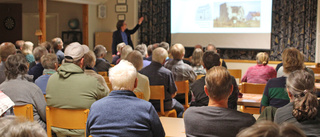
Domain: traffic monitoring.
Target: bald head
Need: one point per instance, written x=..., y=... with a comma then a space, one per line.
x=6, y=49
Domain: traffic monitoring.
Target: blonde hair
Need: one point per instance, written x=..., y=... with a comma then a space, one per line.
x=27, y=48
x=122, y=76
x=125, y=51
x=197, y=57
x=292, y=60
x=262, y=58
x=159, y=55
x=177, y=51
x=89, y=59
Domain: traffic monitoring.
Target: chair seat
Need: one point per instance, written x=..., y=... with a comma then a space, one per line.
x=170, y=113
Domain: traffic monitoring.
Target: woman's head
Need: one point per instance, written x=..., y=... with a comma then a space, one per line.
x=27, y=48
x=197, y=57
x=16, y=65
x=300, y=87
x=262, y=58
x=292, y=60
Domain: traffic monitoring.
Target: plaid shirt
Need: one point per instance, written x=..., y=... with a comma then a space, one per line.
x=181, y=71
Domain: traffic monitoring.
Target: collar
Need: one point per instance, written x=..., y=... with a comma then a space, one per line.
x=122, y=93
x=156, y=64
x=49, y=71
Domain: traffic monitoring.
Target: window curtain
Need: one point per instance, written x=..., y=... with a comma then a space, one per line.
x=294, y=24
x=156, y=25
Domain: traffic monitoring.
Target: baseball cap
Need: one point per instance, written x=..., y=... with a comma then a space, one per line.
x=75, y=51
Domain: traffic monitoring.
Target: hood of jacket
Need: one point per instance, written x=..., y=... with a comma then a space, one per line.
x=67, y=69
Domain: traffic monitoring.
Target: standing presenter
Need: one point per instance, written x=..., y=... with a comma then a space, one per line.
x=122, y=34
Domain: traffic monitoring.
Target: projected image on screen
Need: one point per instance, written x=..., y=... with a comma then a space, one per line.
x=237, y=14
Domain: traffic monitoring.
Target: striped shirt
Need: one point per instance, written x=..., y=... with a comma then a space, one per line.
x=275, y=93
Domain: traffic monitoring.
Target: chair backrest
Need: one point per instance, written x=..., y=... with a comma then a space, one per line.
x=183, y=87
x=103, y=73
x=24, y=111
x=66, y=118
x=157, y=93
x=139, y=95
x=315, y=70
x=236, y=73
x=200, y=76
x=252, y=88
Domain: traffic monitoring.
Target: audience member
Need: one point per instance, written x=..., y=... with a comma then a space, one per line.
x=122, y=113
x=270, y=129
x=37, y=70
x=6, y=49
x=261, y=72
x=216, y=119
x=21, y=91
x=159, y=75
x=19, y=44
x=88, y=62
x=50, y=65
x=142, y=48
x=58, y=46
x=48, y=46
x=303, y=109
x=117, y=56
x=211, y=47
x=149, y=51
x=180, y=70
x=6, y=105
x=70, y=88
x=101, y=63
x=27, y=51
x=124, y=52
x=275, y=94
x=12, y=126
x=196, y=61
x=164, y=45
x=153, y=47
x=211, y=59
x=143, y=82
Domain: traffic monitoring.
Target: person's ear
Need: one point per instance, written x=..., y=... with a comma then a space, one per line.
x=81, y=62
x=289, y=94
x=206, y=90
x=135, y=83
x=56, y=65
x=231, y=90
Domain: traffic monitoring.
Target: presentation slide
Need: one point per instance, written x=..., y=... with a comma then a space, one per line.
x=240, y=24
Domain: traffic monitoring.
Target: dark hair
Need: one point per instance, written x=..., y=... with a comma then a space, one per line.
x=210, y=59
x=48, y=46
x=15, y=65
x=300, y=84
x=119, y=24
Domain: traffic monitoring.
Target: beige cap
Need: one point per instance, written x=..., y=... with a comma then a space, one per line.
x=75, y=51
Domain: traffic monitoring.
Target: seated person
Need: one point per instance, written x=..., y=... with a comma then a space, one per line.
x=143, y=82
x=303, y=109
x=124, y=52
x=6, y=49
x=117, y=56
x=20, y=90
x=211, y=59
x=275, y=94
x=216, y=119
x=27, y=51
x=6, y=105
x=50, y=65
x=37, y=70
x=261, y=72
x=196, y=61
x=122, y=113
x=58, y=46
x=211, y=47
x=101, y=63
x=142, y=48
x=159, y=75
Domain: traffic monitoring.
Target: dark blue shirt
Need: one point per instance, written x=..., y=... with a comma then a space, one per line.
x=124, y=37
x=36, y=71
x=123, y=114
x=159, y=75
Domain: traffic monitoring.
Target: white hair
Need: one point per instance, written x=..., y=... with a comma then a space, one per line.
x=120, y=46
x=122, y=76
x=125, y=51
x=159, y=55
x=27, y=48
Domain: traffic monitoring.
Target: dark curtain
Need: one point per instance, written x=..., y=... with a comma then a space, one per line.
x=294, y=24
x=156, y=26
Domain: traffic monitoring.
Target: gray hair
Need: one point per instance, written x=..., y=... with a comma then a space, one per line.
x=122, y=76
x=49, y=61
x=159, y=55
x=99, y=50
x=56, y=42
x=38, y=52
x=164, y=45
x=120, y=46
x=142, y=48
x=125, y=51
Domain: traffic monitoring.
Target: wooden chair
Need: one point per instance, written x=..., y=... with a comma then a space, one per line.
x=237, y=74
x=24, y=111
x=200, y=76
x=139, y=95
x=103, y=73
x=106, y=78
x=316, y=72
x=157, y=93
x=66, y=118
x=112, y=65
x=183, y=88
x=252, y=89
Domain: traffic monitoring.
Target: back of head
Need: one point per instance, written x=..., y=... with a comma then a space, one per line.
x=177, y=51
x=135, y=58
x=261, y=129
x=290, y=130
x=292, y=60
x=89, y=60
x=155, y=45
x=56, y=42
x=18, y=127
x=38, y=52
x=48, y=46
x=300, y=84
x=125, y=51
x=262, y=58
x=19, y=44
x=120, y=46
x=49, y=61
x=6, y=49
x=210, y=59
x=197, y=57
x=211, y=47
x=74, y=52
x=164, y=45
x=159, y=55
x=149, y=49
x=27, y=48
x=122, y=76
x=16, y=65
x=99, y=51
x=219, y=83
x=142, y=48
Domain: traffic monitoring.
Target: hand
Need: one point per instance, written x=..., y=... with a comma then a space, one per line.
x=140, y=20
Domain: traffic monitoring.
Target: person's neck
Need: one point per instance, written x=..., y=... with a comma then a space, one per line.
x=123, y=30
x=222, y=103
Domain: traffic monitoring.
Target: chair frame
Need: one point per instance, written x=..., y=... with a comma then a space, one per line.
x=157, y=93
x=25, y=111
x=251, y=88
x=183, y=88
